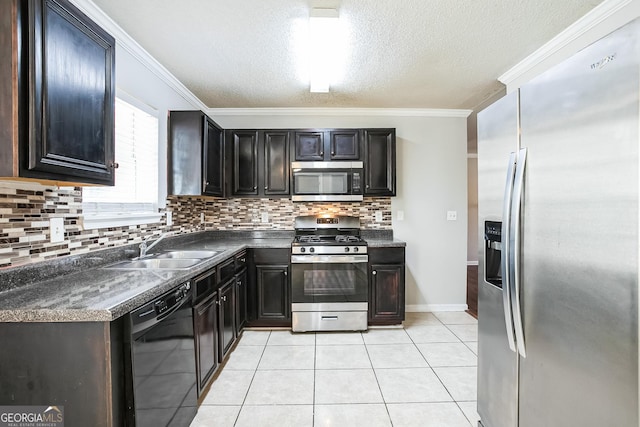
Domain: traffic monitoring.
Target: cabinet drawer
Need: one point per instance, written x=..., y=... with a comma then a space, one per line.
x=241, y=261
x=226, y=270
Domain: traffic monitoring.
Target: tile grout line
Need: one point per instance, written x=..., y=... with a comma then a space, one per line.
x=384, y=402
x=255, y=371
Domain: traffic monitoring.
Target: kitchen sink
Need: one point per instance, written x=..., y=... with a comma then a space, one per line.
x=180, y=254
x=157, y=263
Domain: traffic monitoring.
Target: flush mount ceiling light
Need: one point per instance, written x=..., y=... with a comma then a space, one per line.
x=323, y=48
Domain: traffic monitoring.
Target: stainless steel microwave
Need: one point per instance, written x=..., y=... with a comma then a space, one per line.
x=326, y=181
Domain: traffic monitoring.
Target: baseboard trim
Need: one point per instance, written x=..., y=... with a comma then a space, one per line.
x=426, y=308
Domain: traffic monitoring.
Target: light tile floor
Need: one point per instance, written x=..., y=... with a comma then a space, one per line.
x=421, y=375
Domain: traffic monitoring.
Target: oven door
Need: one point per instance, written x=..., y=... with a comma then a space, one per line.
x=326, y=279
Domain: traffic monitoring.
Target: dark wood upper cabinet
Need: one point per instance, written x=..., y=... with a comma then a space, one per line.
x=57, y=95
x=276, y=163
x=344, y=144
x=244, y=168
x=195, y=155
x=325, y=145
x=213, y=161
x=309, y=146
x=380, y=162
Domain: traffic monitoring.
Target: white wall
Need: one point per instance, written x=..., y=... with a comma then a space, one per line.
x=432, y=179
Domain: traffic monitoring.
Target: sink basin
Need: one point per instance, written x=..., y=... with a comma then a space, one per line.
x=186, y=254
x=156, y=263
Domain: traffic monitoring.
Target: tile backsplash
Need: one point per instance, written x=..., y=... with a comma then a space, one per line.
x=26, y=208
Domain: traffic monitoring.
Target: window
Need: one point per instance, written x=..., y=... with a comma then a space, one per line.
x=134, y=197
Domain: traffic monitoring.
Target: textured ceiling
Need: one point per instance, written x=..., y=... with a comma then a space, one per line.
x=399, y=53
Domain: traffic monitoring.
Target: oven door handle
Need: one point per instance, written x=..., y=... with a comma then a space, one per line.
x=328, y=259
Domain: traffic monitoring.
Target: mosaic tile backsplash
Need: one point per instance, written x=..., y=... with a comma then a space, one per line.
x=26, y=208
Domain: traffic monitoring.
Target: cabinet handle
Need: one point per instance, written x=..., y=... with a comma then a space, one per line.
x=367, y=186
x=285, y=273
x=374, y=272
x=114, y=165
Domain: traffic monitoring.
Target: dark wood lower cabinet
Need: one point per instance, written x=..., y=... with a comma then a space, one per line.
x=386, y=286
x=226, y=317
x=241, y=301
x=269, y=302
x=205, y=321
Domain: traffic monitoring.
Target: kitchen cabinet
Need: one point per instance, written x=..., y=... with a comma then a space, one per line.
x=275, y=164
x=386, y=286
x=327, y=145
x=205, y=319
x=243, y=145
x=379, y=162
x=57, y=94
x=195, y=155
x=270, y=292
x=259, y=163
x=241, y=291
x=226, y=317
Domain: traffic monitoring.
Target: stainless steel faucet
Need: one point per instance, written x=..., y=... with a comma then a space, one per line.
x=144, y=248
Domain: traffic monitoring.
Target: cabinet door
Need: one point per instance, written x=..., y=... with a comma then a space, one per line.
x=241, y=301
x=245, y=162
x=213, y=162
x=226, y=314
x=309, y=146
x=386, y=301
x=276, y=163
x=205, y=321
x=274, y=301
x=344, y=144
x=71, y=96
x=380, y=162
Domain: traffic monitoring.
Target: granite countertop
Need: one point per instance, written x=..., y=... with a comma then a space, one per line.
x=99, y=294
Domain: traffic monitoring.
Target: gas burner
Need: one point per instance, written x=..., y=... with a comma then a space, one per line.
x=308, y=239
x=348, y=239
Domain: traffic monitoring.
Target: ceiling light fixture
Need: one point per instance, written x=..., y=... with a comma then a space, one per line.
x=323, y=48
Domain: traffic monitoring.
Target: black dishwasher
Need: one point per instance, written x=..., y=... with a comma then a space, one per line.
x=162, y=371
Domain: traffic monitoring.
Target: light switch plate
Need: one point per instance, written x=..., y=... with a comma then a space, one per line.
x=201, y=217
x=400, y=215
x=379, y=216
x=452, y=215
x=264, y=217
x=56, y=228
x=169, y=218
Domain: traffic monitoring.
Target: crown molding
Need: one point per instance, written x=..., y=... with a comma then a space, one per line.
x=583, y=25
x=125, y=41
x=377, y=112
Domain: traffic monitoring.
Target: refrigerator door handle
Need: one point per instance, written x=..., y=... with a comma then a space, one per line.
x=514, y=255
x=504, y=260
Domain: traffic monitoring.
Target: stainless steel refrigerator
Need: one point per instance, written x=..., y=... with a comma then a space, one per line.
x=558, y=187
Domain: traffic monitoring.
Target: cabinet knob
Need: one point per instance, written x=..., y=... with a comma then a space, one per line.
x=266, y=188
x=374, y=272
x=285, y=273
x=224, y=298
x=114, y=165
x=367, y=186
x=206, y=183
x=333, y=153
x=254, y=187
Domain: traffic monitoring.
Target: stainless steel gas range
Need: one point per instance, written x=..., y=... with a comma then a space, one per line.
x=329, y=287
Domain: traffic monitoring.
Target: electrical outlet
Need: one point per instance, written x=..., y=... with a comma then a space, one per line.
x=400, y=215
x=264, y=217
x=452, y=215
x=169, y=218
x=56, y=229
x=379, y=216
x=201, y=217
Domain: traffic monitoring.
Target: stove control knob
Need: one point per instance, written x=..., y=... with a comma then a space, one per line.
x=346, y=249
x=303, y=249
x=312, y=250
x=355, y=249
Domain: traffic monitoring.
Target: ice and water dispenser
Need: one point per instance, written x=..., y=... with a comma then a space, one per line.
x=493, y=252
